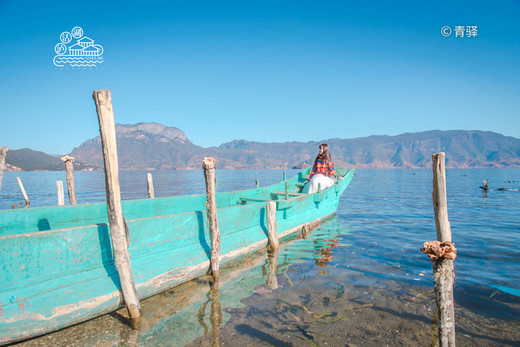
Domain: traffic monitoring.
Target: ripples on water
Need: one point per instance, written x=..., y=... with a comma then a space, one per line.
x=360, y=278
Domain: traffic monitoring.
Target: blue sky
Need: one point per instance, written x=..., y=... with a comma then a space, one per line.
x=270, y=71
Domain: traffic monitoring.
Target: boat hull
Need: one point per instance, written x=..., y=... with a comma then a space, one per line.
x=58, y=273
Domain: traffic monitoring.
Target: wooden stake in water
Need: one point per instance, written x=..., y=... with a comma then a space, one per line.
x=208, y=165
x=3, y=154
x=107, y=130
x=20, y=184
x=69, y=168
x=271, y=225
x=443, y=273
x=61, y=194
x=149, y=183
x=440, y=201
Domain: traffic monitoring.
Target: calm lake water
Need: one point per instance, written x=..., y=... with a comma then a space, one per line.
x=357, y=279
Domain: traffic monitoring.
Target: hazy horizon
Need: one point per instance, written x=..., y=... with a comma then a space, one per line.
x=273, y=142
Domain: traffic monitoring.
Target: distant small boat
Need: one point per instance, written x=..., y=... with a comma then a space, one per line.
x=57, y=267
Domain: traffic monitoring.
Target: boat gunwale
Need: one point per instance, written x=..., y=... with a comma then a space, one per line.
x=51, y=231
x=123, y=201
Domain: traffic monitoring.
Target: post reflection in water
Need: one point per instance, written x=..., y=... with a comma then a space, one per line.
x=213, y=296
x=272, y=257
x=215, y=316
x=130, y=335
x=216, y=312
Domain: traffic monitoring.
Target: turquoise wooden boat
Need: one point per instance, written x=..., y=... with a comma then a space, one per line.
x=57, y=264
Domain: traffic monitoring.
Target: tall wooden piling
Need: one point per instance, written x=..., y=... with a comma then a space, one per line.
x=271, y=225
x=107, y=129
x=69, y=168
x=149, y=183
x=3, y=154
x=443, y=273
x=440, y=201
x=60, y=193
x=208, y=165
x=20, y=184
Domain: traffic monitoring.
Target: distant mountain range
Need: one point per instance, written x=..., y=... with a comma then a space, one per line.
x=149, y=146
x=29, y=160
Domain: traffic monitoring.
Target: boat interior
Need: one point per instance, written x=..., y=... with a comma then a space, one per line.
x=33, y=220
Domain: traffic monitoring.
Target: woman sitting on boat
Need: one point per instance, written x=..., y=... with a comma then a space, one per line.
x=321, y=172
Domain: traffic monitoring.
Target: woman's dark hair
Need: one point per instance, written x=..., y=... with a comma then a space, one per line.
x=325, y=156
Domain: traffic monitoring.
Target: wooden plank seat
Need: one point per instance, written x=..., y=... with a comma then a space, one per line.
x=290, y=194
x=244, y=199
x=301, y=184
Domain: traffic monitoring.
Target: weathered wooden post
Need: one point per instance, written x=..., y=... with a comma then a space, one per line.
x=442, y=253
x=257, y=183
x=107, y=130
x=149, y=183
x=286, y=190
x=271, y=225
x=208, y=165
x=3, y=154
x=440, y=201
x=20, y=184
x=61, y=194
x=284, y=176
x=69, y=168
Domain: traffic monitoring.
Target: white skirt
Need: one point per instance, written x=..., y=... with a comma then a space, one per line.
x=312, y=186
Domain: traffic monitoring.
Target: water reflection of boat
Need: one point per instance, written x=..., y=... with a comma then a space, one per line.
x=58, y=268
x=193, y=310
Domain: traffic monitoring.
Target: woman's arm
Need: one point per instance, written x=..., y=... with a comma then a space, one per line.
x=313, y=171
x=332, y=171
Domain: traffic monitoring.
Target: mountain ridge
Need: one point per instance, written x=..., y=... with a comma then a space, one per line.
x=150, y=146
x=464, y=148
x=26, y=159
